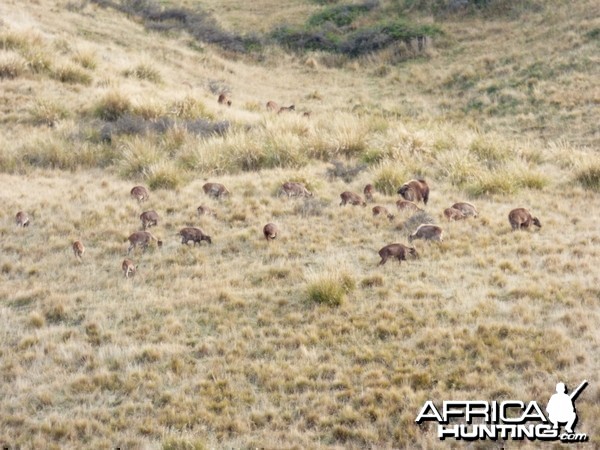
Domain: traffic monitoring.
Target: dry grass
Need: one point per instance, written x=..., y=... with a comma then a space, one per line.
x=302, y=342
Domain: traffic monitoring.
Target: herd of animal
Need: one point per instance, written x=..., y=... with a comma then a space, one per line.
x=272, y=106
x=412, y=193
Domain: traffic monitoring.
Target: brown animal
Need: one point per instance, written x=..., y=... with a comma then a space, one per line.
x=466, y=208
x=453, y=214
x=224, y=99
x=415, y=191
x=22, y=219
x=128, y=267
x=286, y=109
x=149, y=219
x=521, y=218
x=405, y=205
x=142, y=239
x=398, y=251
x=193, y=234
x=352, y=198
x=140, y=193
x=427, y=231
x=369, y=190
x=270, y=231
x=294, y=189
x=272, y=106
x=215, y=190
x=382, y=210
x=307, y=114
x=78, y=249
x=206, y=211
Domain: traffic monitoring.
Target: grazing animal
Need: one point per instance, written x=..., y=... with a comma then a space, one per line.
x=369, y=190
x=352, y=198
x=22, y=219
x=521, y=218
x=294, y=189
x=382, y=211
x=272, y=106
x=193, y=234
x=270, y=231
x=140, y=193
x=398, y=251
x=216, y=190
x=149, y=219
x=78, y=249
x=286, y=109
x=307, y=114
x=415, y=191
x=405, y=205
x=224, y=99
x=453, y=214
x=142, y=239
x=206, y=211
x=427, y=231
x=466, y=208
x=128, y=268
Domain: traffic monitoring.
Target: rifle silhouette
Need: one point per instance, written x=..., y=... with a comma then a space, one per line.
x=577, y=391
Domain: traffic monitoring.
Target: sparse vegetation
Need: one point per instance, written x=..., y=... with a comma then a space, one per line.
x=303, y=341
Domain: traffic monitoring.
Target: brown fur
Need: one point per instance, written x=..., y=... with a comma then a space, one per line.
x=128, y=268
x=206, y=211
x=382, y=211
x=142, y=239
x=405, y=205
x=369, y=190
x=427, y=231
x=398, y=251
x=272, y=106
x=453, y=214
x=140, y=193
x=78, y=249
x=193, y=234
x=415, y=191
x=270, y=231
x=22, y=219
x=224, y=99
x=286, y=109
x=215, y=190
x=352, y=198
x=521, y=218
x=149, y=219
x=467, y=209
x=294, y=189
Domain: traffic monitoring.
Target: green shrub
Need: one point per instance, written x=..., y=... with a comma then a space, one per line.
x=340, y=15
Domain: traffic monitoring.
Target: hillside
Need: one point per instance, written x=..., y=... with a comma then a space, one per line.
x=304, y=341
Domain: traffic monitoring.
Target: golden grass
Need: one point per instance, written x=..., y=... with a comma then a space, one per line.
x=225, y=345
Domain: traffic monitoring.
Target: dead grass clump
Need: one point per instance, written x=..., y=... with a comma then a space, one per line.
x=112, y=106
x=589, y=177
x=490, y=153
x=137, y=156
x=189, y=108
x=413, y=222
x=46, y=112
x=71, y=75
x=388, y=178
x=12, y=65
x=165, y=175
x=310, y=207
x=330, y=289
x=144, y=71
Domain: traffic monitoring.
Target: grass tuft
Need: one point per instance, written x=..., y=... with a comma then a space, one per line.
x=330, y=289
x=589, y=177
x=112, y=106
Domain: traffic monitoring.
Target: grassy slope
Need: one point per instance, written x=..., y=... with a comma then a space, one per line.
x=218, y=346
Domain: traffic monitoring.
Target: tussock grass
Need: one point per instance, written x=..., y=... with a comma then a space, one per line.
x=330, y=289
x=589, y=177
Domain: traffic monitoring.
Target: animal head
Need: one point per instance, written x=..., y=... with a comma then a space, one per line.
x=537, y=222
